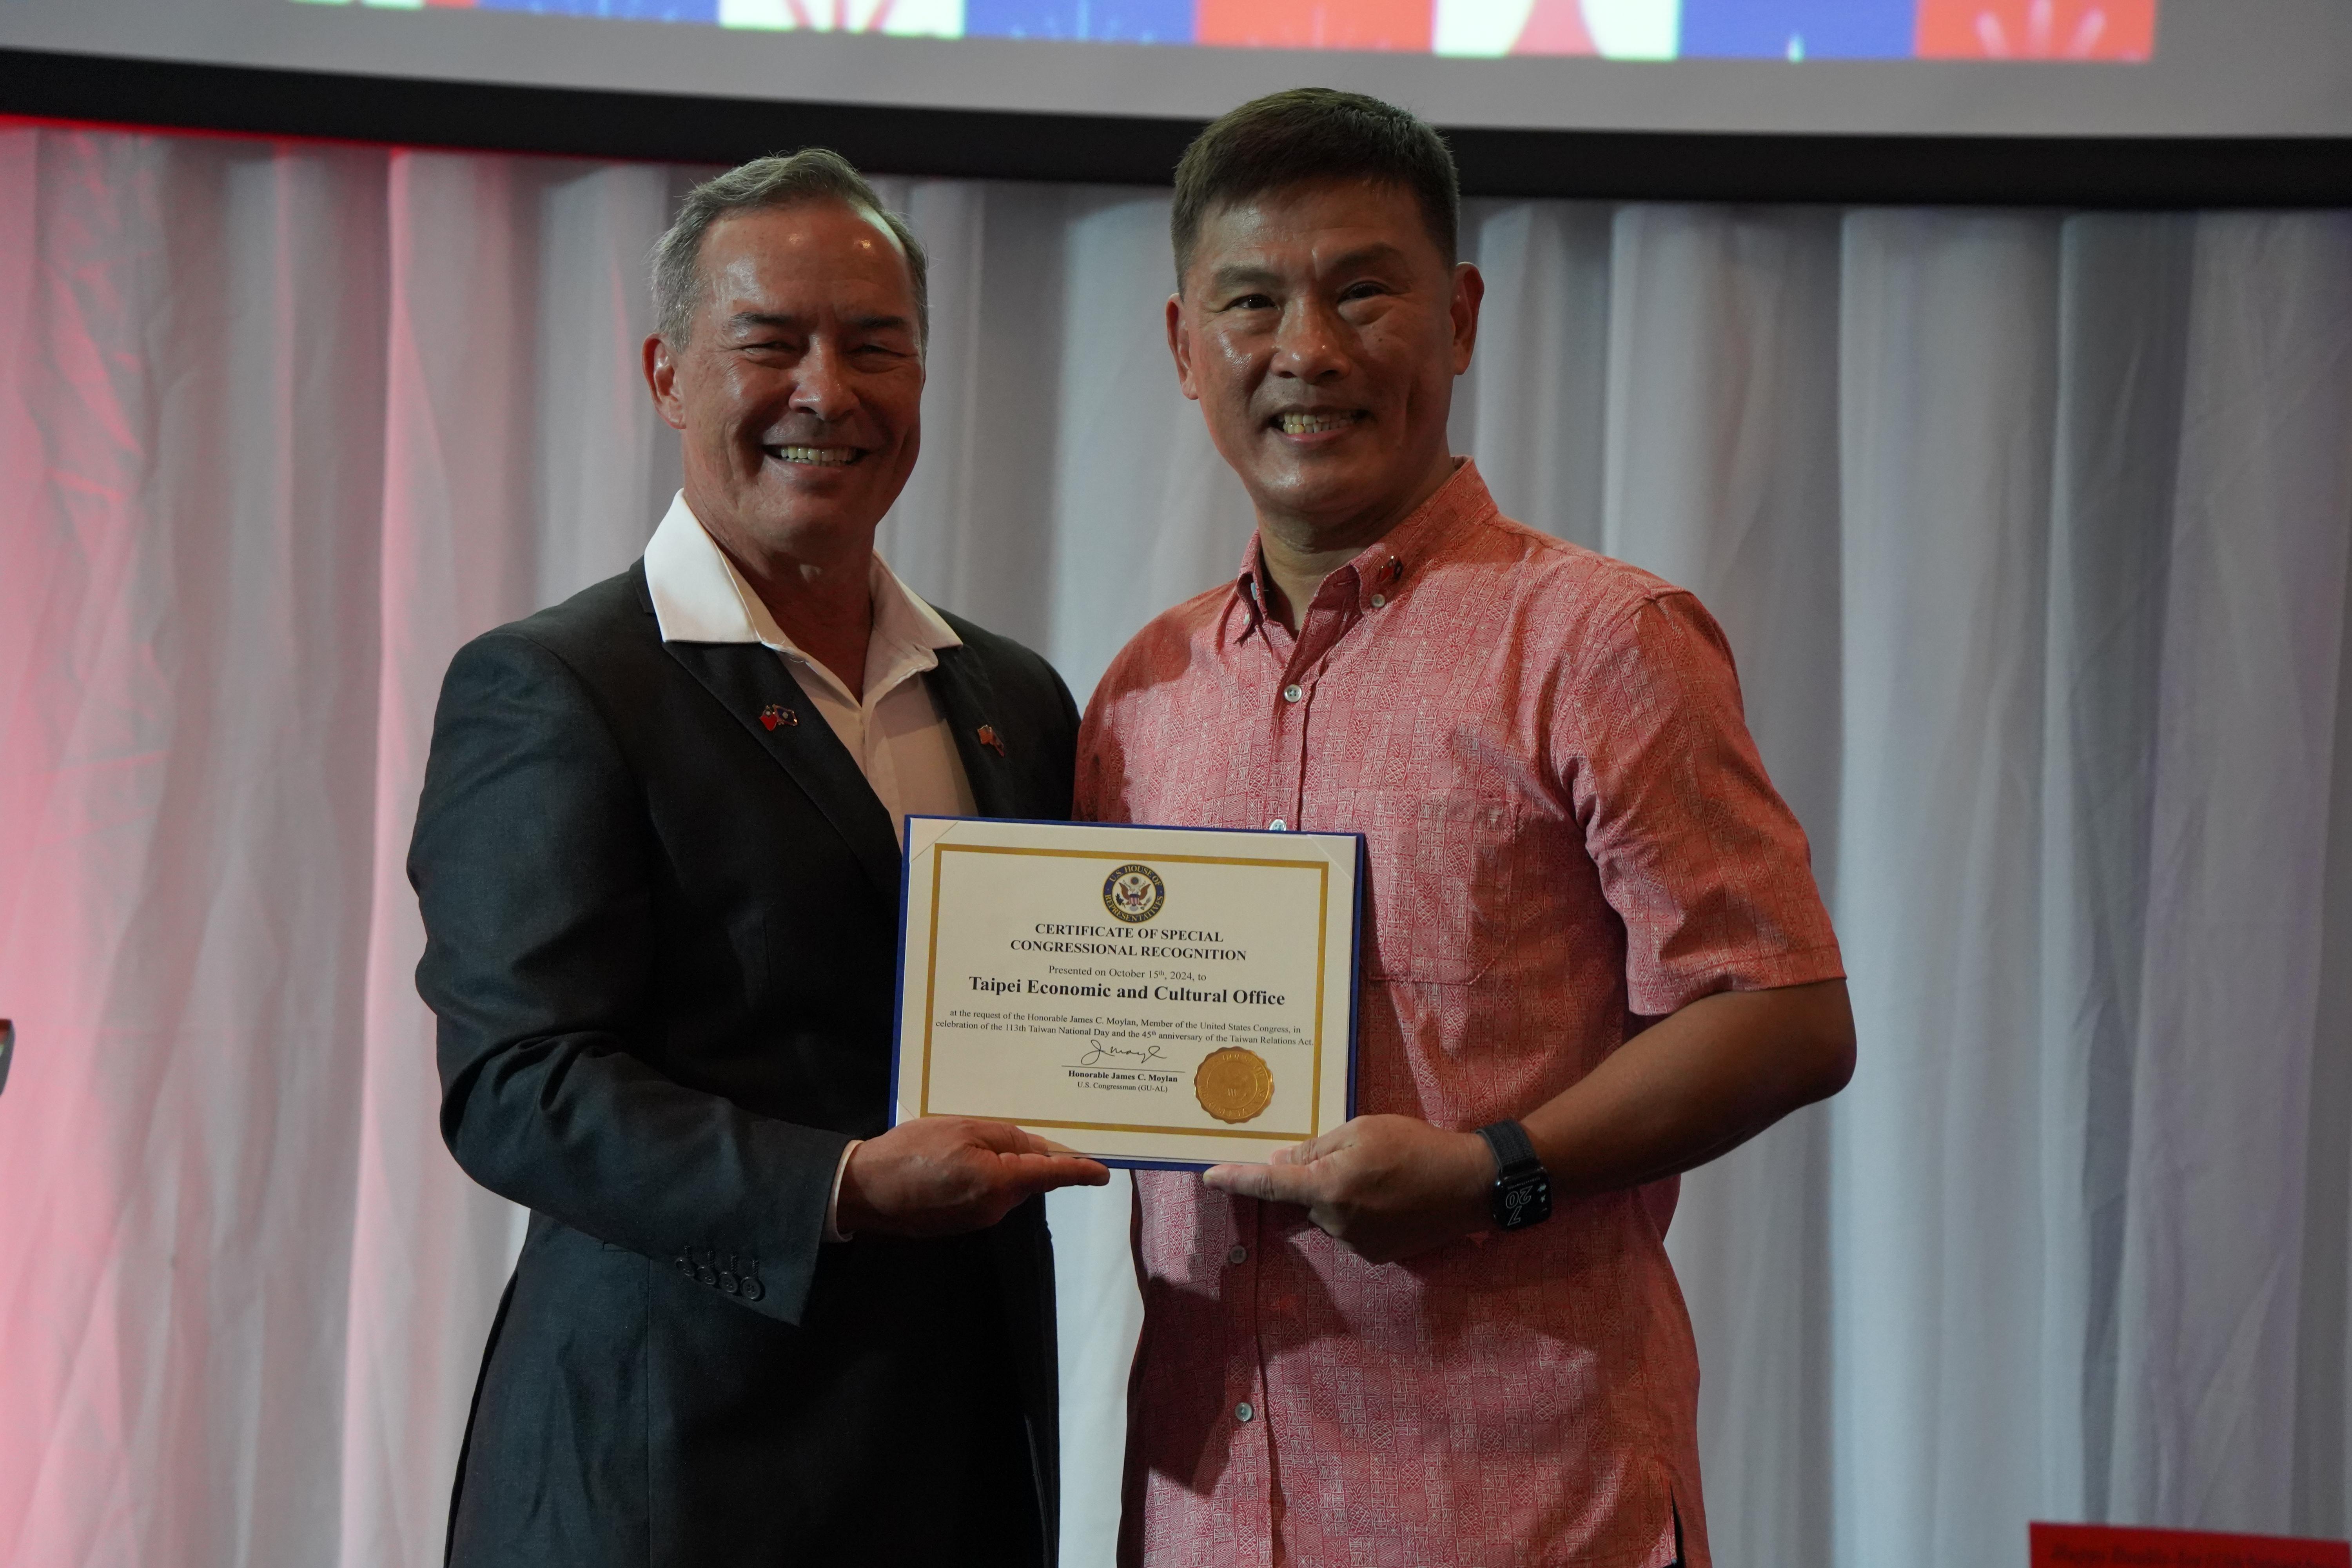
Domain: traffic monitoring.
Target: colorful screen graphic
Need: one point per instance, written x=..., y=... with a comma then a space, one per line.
x=1617, y=29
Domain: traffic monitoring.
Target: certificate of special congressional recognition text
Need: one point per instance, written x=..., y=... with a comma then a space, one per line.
x=1146, y=995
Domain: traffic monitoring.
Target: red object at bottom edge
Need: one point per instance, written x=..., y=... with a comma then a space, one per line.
x=2112, y=1546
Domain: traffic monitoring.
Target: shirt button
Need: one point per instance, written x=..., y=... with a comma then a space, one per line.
x=1293, y=692
x=1379, y=601
x=1276, y=825
x=1238, y=1254
x=1242, y=1412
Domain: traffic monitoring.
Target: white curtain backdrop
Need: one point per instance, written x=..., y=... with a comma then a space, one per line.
x=2030, y=530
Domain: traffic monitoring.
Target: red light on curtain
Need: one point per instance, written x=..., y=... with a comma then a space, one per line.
x=2037, y=29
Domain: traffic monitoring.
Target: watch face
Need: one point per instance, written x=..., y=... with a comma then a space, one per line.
x=1524, y=1201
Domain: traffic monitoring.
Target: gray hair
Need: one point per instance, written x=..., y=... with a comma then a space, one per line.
x=811, y=174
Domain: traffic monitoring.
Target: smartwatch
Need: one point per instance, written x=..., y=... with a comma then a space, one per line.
x=1521, y=1196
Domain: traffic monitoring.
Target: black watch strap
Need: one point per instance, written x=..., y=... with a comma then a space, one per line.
x=1515, y=1153
x=1521, y=1196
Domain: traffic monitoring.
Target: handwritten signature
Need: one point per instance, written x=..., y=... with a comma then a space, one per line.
x=1103, y=1049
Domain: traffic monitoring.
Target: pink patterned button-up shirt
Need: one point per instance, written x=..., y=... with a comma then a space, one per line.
x=1568, y=831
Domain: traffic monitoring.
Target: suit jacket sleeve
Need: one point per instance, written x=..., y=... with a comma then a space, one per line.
x=531, y=862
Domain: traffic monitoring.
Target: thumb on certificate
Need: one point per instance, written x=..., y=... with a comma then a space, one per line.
x=1039, y=1166
x=1044, y=1173
x=1070, y=1167
x=1275, y=1183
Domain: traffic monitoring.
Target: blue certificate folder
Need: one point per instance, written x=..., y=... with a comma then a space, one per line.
x=1155, y=997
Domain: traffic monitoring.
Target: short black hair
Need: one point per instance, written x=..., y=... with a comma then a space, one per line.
x=1313, y=133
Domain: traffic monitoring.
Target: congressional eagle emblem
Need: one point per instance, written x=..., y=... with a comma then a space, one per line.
x=1134, y=894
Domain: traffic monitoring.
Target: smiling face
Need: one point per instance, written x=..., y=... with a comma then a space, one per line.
x=799, y=388
x=1320, y=329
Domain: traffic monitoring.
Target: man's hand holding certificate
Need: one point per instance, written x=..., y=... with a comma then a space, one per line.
x=1146, y=995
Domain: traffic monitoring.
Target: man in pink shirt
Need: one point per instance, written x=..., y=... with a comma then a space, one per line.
x=1594, y=957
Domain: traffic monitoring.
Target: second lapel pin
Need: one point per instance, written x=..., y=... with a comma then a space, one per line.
x=988, y=738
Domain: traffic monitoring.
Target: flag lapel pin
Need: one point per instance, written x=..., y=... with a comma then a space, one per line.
x=988, y=738
x=776, y=713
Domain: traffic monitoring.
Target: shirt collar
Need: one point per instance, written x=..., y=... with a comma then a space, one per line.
x=700, y=597
x=1379, y=574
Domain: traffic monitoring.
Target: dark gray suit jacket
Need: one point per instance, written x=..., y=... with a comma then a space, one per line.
x=661, y=935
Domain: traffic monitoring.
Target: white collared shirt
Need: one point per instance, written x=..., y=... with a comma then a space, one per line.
x=897, y=734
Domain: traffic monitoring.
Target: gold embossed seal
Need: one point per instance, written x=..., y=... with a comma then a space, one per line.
x=1233, y=1084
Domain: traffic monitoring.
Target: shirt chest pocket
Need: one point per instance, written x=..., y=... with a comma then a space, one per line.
x=1441, y=883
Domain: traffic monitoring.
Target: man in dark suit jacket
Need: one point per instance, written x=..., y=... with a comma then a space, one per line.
x=658, y=863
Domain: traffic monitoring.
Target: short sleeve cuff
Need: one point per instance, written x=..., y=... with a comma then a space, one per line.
x=1663, y=990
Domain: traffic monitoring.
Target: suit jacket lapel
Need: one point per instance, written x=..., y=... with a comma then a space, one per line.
x=750, y=680
x=967, y=700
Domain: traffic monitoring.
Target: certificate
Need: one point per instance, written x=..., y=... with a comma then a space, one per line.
x=1146, y=995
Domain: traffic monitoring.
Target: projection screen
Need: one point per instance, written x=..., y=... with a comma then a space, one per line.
x=2216, y=72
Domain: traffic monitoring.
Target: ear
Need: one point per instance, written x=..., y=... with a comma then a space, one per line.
x=1180, y=344
x=661, y=379
x=1469, y=292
